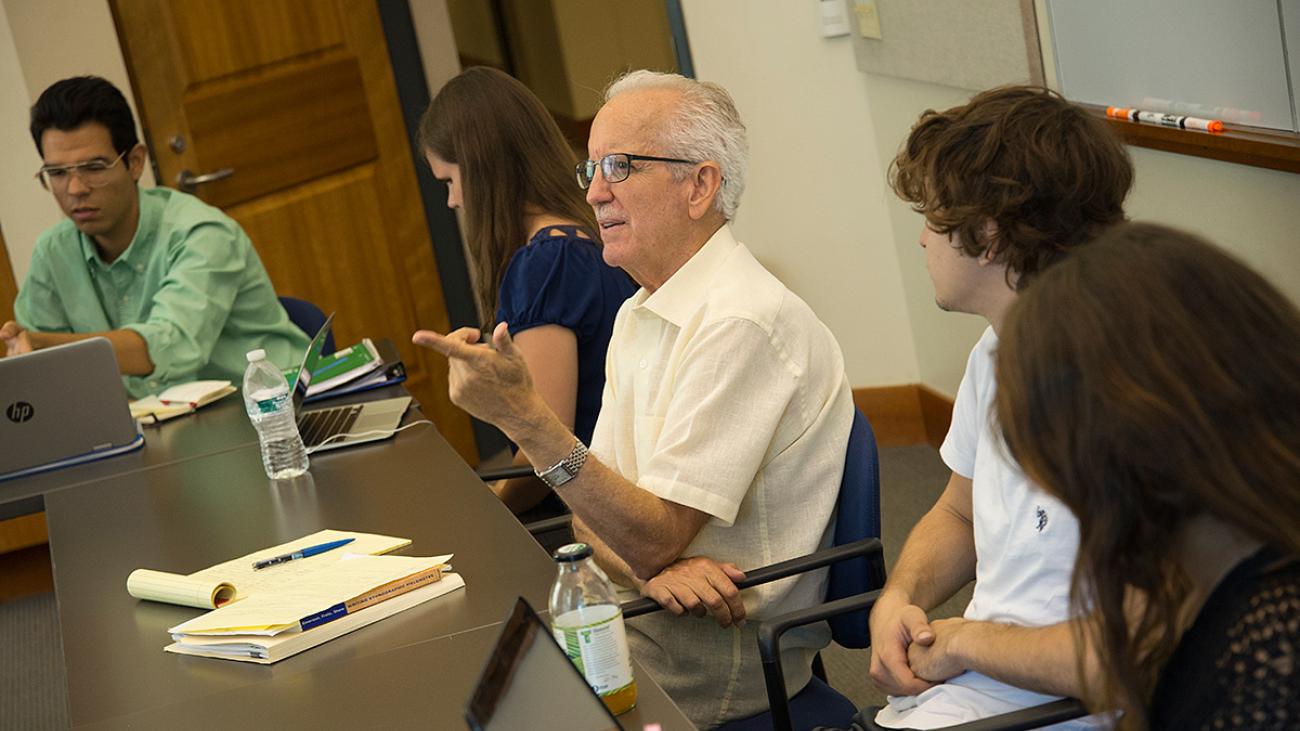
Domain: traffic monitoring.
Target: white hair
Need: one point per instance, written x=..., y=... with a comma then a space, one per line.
x=704, y=126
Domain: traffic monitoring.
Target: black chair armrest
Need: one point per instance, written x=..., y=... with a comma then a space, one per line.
x=780, y=705
x=781, y=570
x=548, y=524
x=1038, y=716
x=769, y=646
x=505, y=473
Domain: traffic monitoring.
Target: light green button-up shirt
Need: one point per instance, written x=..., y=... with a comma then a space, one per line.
x=190, y=284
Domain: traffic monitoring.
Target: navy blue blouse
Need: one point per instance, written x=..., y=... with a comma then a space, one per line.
x=560, y=279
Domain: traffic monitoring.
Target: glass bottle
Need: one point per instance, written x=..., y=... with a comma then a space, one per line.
x=588, y=624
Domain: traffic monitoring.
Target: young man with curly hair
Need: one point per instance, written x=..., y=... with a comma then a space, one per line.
x=1009, y=184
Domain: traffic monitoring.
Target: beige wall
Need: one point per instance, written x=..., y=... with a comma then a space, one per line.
x=433, y=31
x=1246, y=210
x=814, y=207
x=823, y=138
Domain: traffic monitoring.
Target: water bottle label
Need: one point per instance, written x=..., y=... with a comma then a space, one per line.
x=273, y=404
x=599, y=649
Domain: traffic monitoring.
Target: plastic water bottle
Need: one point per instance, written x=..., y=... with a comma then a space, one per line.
x=266, y=398
x=588, y=623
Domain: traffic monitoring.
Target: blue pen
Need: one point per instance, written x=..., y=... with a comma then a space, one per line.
x=302, y=553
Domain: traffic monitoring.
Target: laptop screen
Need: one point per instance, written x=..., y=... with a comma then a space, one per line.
x=309, y=358
x=530, y=683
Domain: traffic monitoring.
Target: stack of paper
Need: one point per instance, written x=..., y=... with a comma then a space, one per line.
x=237, y=579
x=352, y=592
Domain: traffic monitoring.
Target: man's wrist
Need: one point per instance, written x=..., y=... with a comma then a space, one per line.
x=542, y=437
x=566, y=469
x=965, y=640
x=525, y=423
x=893, y=596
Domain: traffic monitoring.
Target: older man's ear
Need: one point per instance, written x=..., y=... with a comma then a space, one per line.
x=706, y=186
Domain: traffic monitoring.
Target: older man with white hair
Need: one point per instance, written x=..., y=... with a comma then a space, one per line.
x=726, y=410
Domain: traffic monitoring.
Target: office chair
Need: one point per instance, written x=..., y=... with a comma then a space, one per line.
x=308, y=318
x=857, y=566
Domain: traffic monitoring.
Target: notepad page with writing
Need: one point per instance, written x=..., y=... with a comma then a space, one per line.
x=249, y=581
x=237, y=579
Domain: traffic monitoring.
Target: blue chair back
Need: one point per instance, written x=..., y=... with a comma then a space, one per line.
x=308, y=318
x=857, y=517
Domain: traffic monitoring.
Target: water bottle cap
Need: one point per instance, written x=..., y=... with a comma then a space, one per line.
x=256, y=355
x=572, y=552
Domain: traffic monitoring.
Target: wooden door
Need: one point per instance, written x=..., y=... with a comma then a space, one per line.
x=8, y=287
x=297, y=98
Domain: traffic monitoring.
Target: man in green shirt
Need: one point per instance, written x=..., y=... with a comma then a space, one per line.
x=173, y=283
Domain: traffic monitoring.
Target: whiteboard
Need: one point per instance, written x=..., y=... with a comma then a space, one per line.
x=1206, y=58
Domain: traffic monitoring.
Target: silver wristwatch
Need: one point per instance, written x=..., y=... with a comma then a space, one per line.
x=566, y=469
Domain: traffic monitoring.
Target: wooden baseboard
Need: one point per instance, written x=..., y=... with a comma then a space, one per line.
x=936, y=413
x=903, y=415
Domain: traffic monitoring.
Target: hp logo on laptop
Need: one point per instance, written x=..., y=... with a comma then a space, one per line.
x=19, y=411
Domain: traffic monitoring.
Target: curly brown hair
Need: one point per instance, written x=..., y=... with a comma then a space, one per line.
x=1048, y=174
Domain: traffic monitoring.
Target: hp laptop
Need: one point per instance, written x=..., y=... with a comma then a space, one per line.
x=530, y=683
x=341, y=426
x=63, y=406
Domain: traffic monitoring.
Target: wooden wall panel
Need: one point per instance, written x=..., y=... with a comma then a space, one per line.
x=219, y=43
x=235, y=126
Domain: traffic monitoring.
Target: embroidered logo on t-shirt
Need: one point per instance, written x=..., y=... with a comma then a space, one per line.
x=1042, y=517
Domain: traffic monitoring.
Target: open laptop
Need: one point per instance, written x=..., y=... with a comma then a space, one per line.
x=62, y=406
x=321, y=427
x=530, y=683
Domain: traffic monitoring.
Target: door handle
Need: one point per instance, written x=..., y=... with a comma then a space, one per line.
x=189, y=182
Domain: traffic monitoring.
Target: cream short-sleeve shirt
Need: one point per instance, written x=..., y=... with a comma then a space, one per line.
x=725, y=393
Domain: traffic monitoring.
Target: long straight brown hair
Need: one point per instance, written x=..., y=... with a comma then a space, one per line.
x=512, y=155
x=1148, y=379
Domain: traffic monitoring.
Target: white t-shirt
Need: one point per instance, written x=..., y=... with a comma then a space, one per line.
x=1025, y=546
x=725, y=393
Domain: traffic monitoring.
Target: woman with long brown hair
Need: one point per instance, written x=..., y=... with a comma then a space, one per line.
x=1152, y=383
x=532, y=237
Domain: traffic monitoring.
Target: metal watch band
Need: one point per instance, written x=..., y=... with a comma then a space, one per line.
x=566, y=469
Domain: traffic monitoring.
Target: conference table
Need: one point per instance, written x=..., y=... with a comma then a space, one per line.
x=196, y=495
x=217, y=428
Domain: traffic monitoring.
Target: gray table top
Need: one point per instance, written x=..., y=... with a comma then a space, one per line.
x=187, y=515
x=216, y=428
x=423, y=685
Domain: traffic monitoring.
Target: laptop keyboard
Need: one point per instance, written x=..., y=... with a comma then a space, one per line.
x=318, y=425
